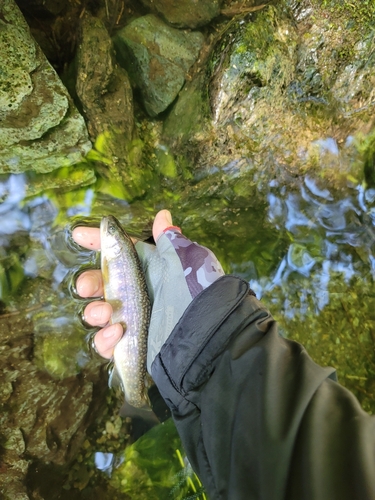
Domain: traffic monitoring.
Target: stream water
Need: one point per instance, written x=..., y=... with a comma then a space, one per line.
x=307, y=252
x=263, y=205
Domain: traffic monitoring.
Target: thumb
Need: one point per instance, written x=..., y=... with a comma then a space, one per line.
x=163, y=219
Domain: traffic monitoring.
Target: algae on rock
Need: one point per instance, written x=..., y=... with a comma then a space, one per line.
x=289, y=93
x=40, y=128
x=43, y=419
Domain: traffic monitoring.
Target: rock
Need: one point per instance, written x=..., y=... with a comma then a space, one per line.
x=190, y=116
x=61, y=180
x=44, y=8
x=48, y=381
x=250, y=61
x=186, y=13
x=293, y=93
x=40, y=128
x=43, y=417
x=104, y=90
x=157, y=58
x=187, y=116
x=102, y=86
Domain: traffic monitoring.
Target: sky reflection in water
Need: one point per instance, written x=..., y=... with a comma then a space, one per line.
x=323, y=232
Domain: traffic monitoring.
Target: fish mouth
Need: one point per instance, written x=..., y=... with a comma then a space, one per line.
x=104, y=224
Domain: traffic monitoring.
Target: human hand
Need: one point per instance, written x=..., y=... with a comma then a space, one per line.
x=176, y=270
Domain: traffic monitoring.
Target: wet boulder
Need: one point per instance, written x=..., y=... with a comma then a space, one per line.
x=40, y=128
x=157, y=58
x=185, y=13
x=293, y=92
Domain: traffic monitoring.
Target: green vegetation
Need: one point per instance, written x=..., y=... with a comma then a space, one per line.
x=269, y=44
x=155, y=468
x=152, y=468
x=358, y=13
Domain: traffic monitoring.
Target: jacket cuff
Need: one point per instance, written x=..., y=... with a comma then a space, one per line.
x=206, y=328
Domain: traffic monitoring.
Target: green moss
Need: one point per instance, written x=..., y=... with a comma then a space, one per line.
x=188, y=115
x=60, y=355
x=167, y=164
x=359, y=14
x=266, y=48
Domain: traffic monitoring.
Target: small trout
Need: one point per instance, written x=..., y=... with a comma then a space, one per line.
x=125, y=289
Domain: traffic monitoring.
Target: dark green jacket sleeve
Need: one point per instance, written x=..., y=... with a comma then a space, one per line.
x=257, y=417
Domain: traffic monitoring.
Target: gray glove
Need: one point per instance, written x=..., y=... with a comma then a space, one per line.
x=176, y=270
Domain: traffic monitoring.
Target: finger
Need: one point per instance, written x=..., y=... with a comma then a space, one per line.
x=106, y=339
x=97, y=313
x=87, y=237
x=90, y=284
x=163, y=219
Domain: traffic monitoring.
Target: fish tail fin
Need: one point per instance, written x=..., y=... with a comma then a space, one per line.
x=115, y=383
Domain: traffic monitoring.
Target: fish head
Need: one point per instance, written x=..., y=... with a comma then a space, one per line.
x=111, y=236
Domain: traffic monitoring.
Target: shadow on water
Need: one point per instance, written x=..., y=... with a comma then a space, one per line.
x=307, y=252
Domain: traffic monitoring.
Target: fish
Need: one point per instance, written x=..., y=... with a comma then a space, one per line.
x=126, y=290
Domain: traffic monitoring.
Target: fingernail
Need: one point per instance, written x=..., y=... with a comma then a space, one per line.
x=97, y=312
x=86, y=237
x=87, y=287
x=112, y=331
x=168, y=216
x=79, y=235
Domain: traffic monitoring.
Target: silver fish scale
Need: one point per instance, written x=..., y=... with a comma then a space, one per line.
x=125, y=289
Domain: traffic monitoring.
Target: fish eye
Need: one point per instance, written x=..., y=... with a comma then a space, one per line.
x=111, y=229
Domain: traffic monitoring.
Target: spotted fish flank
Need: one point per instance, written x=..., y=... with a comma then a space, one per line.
x=125, y=289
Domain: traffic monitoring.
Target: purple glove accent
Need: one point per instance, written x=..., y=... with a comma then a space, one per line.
x=201, y=267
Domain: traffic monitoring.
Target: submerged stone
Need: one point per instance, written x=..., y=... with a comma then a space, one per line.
x=186, y=13
x=44, y=417
x=157, y=58
x=61, y=180
x=188, y=114
x=40, y=128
